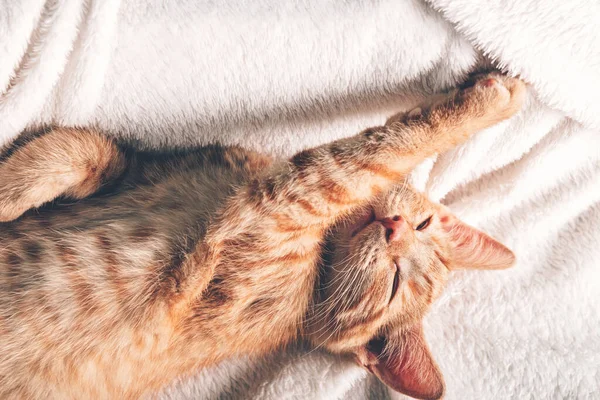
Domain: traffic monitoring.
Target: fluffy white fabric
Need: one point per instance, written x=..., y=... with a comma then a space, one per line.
x=283, y=75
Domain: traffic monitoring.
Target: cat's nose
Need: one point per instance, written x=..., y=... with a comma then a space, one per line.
x=394, y=227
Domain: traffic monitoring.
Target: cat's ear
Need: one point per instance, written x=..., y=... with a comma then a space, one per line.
x=404, y=363
x=472, y=249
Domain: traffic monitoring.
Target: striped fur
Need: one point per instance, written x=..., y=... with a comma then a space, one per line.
x=146, y=267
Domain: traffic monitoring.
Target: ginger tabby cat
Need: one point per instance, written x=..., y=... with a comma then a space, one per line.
x=148, y=266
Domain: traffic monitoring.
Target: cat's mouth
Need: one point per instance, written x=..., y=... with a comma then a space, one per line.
x=363, y=222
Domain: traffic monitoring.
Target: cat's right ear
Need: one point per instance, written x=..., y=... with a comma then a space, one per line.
x=404, y=363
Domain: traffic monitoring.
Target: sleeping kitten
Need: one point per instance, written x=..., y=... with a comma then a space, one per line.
x=163, y=264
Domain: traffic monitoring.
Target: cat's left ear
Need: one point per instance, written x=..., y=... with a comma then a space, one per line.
x=470, y=248
x=404, y=363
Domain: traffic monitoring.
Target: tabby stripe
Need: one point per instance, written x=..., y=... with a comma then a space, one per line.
x=309, y=208
x=262, y=306
x=428, y=280
x=82, y=289
x=339, y=156
x=305, y=205
x=33, y=251
x=259, y=191
x=429, y=288
x=383, y=171
x=248, y=241
x=285, y=224
x=270, y=188
x=142, y=233
x=304, y=159
x=286, y=259
x=13, y=271
x=112, y=269
x=333, y=192
x=289, y=257
x=415, y=288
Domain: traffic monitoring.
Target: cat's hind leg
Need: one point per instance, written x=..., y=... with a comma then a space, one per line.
x=68, y=162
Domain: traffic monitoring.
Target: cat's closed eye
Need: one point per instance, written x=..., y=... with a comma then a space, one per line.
x=396, y=282
x=424, y=224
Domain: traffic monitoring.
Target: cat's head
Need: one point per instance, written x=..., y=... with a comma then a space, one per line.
x=383, y=269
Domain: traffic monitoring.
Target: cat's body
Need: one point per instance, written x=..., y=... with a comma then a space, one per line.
x=171, y=263
x=103, y=267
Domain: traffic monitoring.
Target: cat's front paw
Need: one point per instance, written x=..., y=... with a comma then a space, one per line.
x=484, y=100
x=492, y=94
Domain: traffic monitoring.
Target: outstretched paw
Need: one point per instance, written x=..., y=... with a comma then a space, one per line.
x=492, y=94
x=485, y=99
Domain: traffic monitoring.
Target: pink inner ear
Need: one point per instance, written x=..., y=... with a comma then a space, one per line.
x=406, y=366
x=471, y=248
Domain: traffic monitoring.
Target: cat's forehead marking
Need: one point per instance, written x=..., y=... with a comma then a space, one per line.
x=405, y=201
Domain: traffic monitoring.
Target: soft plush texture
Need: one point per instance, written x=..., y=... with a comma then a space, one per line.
x=283, y=75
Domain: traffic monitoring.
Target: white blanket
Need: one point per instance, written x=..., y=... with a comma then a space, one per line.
x=283, y=75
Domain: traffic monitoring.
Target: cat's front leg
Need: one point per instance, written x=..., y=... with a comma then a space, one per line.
x=479, y=103
x=317, y=186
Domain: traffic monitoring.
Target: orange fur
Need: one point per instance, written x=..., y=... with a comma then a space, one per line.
x=167, y=263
